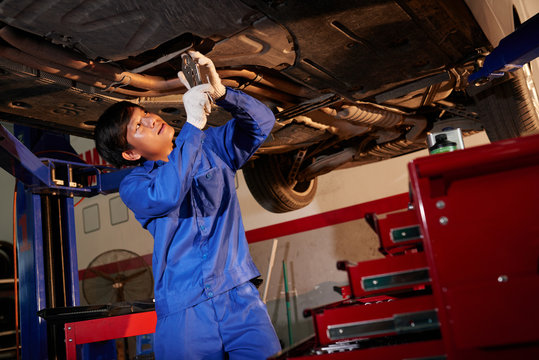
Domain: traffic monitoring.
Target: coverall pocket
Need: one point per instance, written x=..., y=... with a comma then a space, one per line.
x=209, y=188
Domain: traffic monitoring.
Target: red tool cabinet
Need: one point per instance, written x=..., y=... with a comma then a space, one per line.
x=478, y=211
x=461, y=272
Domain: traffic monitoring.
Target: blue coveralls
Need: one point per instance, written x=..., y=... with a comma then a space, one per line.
x=206, y=306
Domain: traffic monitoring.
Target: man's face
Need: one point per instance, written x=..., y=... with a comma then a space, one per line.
x=149, y=135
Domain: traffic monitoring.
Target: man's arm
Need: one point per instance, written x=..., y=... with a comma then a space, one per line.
x=252, y=121
x=237, y=140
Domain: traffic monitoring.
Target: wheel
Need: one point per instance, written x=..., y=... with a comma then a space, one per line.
x=508, y=106
x=266, y=178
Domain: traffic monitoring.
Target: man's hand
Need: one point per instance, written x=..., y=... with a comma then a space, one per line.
x=218, y=89
x=197, y=104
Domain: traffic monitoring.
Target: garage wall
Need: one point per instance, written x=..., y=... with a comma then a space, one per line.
x=7, y=186
x=127, y=235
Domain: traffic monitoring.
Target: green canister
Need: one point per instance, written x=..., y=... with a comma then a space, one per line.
x=442, y=145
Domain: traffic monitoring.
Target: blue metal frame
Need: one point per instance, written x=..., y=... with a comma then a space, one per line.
x=37, y=177
x=20, y=162
x=34, y=344
x=513, y=51
x=68, y=214
x=31, y=275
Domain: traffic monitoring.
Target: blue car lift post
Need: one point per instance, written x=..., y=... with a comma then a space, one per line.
x=47, y=257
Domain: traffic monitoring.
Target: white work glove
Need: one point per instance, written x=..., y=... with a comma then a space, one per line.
x=197, y=104
x=206, y=67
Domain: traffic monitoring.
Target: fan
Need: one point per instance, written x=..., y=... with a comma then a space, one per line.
x=116, y=276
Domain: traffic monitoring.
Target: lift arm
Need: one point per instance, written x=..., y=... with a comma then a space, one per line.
x=513, y=51
x=46, y=175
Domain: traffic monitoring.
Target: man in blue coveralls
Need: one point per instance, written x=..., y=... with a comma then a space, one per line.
x=184, y=195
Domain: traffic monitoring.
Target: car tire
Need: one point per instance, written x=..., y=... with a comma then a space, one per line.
x=266, y=178
x=506, y=109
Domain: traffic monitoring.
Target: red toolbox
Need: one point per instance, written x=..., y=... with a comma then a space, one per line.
x=475, y=253
x=478, y=210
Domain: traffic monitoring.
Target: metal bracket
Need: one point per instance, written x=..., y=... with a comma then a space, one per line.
x=298, y=160
x=54, y=176
x=384, y=281
x=399, y=324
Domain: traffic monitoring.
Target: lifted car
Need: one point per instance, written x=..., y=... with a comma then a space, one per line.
x=350, y=82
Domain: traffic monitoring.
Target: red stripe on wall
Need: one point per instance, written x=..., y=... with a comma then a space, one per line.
x=333, y=217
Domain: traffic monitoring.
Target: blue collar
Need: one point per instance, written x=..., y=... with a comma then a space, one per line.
x=149, y=165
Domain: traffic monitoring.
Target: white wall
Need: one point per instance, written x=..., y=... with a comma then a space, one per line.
x=127, y=235
x=7, y=188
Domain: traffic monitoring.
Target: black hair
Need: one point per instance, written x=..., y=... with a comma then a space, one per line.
x=110, y=133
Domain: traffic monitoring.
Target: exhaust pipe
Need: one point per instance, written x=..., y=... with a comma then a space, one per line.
x=53, y=59
x=58, y=57
x=370, y=115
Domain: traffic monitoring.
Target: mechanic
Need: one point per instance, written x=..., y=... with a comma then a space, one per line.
x=184, y=195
